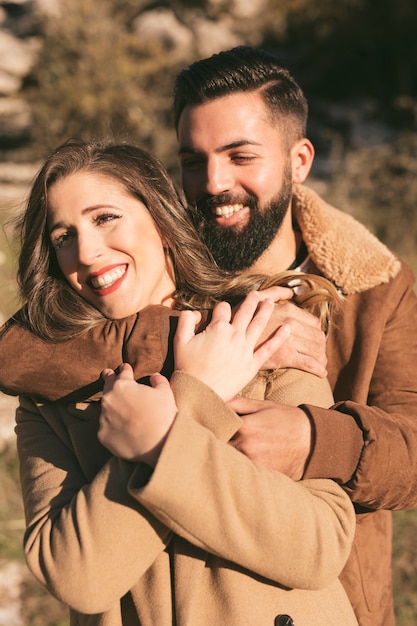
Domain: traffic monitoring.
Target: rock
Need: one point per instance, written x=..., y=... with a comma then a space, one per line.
x=15, y=119
x=49, y=7
x=16, y=55
x=162, y=24
x=21, y=173
x=247, y=8
x=213, y=36
x=9, y=84
x=11, y=578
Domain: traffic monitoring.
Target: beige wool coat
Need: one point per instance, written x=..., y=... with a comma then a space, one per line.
x=207, y=538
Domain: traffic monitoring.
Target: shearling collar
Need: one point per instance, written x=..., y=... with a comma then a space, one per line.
x=342, y=248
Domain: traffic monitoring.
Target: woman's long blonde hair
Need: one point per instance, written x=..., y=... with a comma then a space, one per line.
x=55, y=312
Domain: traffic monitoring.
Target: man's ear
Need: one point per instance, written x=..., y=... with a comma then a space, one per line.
x=302, y=155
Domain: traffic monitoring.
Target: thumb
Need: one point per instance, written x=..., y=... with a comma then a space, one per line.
x=187, y=323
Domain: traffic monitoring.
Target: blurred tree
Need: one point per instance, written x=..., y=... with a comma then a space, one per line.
x=95, y=78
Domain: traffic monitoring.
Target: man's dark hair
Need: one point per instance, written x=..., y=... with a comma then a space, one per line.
x=238, y=70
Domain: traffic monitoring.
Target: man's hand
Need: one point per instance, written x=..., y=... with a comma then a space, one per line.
x=276, y=436
x=305, y=347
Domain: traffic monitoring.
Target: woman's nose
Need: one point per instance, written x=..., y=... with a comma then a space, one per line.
x=90, y=247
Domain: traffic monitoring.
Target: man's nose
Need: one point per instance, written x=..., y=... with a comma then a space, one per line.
x=219, y=178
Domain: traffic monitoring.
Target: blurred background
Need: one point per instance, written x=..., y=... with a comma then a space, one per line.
x=106, y=67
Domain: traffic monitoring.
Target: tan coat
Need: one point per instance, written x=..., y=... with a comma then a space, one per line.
x=209, y=534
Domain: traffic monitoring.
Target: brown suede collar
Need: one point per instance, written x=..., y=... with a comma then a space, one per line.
x=341, y=247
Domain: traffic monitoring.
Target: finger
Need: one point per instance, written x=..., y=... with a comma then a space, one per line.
x=106, y=373
x=109, y=376
x=245, y=406
x=297, y=314
x=246, y=310
x=257, y=326
x=313, y=345
x=271, y=345
x=187, y=323
x=126, y=372
x=222, y=312
x=276, y=293
x=311, y=365
x=309, y=344
x=158, y=380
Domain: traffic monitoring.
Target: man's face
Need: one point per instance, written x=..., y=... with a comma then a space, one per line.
x=237, y=174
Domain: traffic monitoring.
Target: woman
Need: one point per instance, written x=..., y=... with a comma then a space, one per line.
x=165, y=522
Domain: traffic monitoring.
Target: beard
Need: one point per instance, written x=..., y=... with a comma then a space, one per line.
x=237, y=249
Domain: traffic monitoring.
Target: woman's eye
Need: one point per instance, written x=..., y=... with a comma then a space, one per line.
x=106, y=217
x=58, y=241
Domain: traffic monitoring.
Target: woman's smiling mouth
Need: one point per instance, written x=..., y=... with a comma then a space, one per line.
x=110, y=278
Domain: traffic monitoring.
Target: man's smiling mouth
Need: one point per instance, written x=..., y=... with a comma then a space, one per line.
x=227, y=210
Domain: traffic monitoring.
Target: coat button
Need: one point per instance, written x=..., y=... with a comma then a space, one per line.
x=283, y=620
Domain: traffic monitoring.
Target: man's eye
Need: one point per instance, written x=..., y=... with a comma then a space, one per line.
x=191, y=164
x=242, y=158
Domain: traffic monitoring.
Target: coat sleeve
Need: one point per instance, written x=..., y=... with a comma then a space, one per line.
x=87, y=541
x=296, y=534
x=368, y=440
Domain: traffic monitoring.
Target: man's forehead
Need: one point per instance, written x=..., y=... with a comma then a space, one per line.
x=225, y=123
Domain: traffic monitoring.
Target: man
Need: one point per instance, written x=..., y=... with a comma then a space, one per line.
x=241, y=124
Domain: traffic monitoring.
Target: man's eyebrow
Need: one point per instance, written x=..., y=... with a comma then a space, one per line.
x=229, y=146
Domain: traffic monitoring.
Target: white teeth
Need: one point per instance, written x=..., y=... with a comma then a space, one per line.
x=227, y=210
x=106, y=280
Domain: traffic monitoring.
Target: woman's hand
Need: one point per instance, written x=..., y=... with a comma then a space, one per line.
x=224, y=356
x=135, y=419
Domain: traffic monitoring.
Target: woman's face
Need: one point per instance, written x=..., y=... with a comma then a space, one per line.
x=107, y=245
